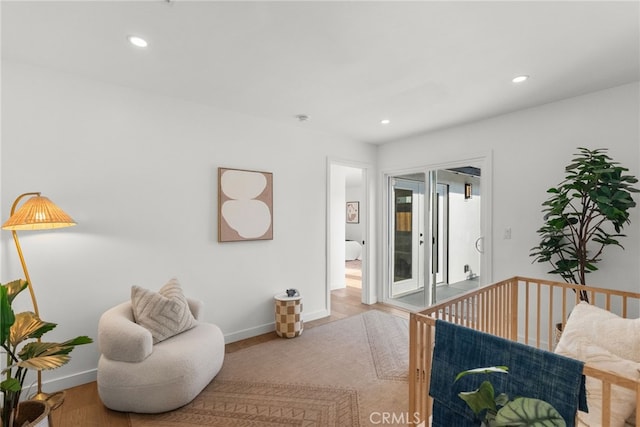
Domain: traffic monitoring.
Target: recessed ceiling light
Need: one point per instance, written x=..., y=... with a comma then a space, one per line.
x=137, y=41
x=385, y=121
x=520, y=79
x=302, y=117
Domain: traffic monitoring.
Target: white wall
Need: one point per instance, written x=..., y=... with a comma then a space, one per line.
x=530, y=150
x=138, y=173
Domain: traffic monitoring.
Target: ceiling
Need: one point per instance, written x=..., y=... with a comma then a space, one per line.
x=424, y=65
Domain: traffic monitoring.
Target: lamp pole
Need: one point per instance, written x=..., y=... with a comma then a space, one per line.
x=14, y=233
x=37, y=213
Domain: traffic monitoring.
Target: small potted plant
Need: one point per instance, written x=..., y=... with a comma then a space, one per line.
x=20, y=339
x=501, y=411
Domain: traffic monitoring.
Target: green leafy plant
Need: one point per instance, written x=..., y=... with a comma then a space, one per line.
x=585, y=213
x=17, y=335
x=501, y=411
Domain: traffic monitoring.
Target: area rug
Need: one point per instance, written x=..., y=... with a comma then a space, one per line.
x=350, y=372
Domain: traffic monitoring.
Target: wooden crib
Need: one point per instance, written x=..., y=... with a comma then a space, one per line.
x=520, y=309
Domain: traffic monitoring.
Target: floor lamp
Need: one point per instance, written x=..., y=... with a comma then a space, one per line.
x=37, y=213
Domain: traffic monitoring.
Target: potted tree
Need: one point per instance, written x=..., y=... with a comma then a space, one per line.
x=20, y=339
x=585, y=213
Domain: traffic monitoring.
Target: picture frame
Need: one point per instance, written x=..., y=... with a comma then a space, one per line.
x=245, y=205
x=353, y=212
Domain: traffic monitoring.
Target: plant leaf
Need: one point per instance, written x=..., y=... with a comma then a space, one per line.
x=10, y=384
x=28, y=325
x=46, y=349
x=525, y=411
x=14, y=288
x=502, y=399
x=7, y=318
x=487, y=370
x=480, y=399
x=44, y=362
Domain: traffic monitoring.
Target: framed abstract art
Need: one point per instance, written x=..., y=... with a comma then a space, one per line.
x=245, y=205
x=353, y=212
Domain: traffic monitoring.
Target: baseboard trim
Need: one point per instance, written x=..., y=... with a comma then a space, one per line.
x=268, y=327
x=249, y=332
x=316, y=315
x=69, y=381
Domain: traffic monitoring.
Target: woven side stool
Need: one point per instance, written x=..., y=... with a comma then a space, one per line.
x=288, y=316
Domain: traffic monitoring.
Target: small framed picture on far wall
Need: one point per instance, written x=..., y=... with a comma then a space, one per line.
x=353, y=212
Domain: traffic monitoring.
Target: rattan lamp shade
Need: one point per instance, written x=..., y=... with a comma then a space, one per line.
x=38, y=213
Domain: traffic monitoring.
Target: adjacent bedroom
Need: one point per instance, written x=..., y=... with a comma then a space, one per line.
x=354, y=228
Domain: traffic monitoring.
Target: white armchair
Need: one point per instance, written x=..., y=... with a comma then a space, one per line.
x=134, y=375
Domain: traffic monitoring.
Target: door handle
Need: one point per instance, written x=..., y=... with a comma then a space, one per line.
x=478, y=244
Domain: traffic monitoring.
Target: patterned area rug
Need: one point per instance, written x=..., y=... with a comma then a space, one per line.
x=231, y=403
x=348, y=372
x=389, y=343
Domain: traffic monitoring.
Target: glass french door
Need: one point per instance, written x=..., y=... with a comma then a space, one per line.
x=407, y=236
x=435, y=235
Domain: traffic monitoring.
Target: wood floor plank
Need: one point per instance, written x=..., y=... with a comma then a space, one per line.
x=82, y=406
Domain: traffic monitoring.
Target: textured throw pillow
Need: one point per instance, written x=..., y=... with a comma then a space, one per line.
x=165, y=313
x=623, y=400
x=611, y=332
x=606, y=341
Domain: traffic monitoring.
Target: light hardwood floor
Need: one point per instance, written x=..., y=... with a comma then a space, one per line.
x=83, y=408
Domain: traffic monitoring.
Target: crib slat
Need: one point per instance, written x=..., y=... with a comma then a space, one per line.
x=550, y=321
x=637, y=404
x=606, y=403
x=526, y=318
x=513, y=335
x=415, y=347
x=538, y=317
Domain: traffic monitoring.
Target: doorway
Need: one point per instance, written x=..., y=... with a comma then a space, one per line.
x=354, y=228
x=348, y=231
x=435, y=230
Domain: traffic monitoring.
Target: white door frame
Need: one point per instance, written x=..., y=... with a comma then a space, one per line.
x=443, y=240
x=368, y=292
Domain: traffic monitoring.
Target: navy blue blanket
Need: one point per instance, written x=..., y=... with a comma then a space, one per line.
x=532, y=373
